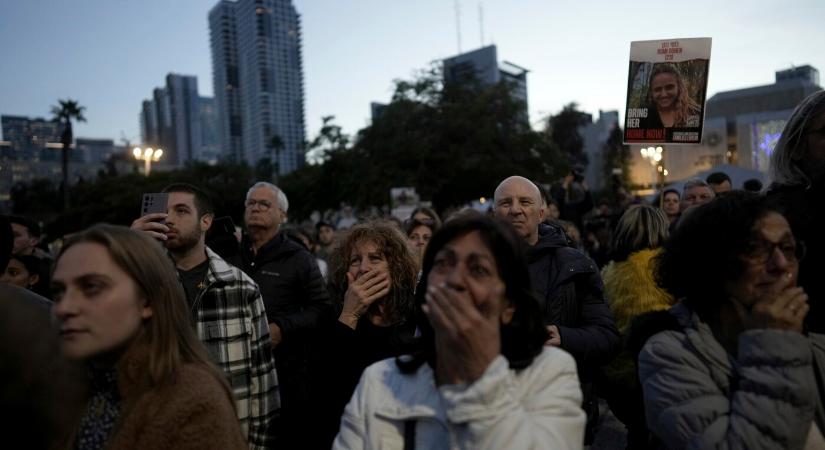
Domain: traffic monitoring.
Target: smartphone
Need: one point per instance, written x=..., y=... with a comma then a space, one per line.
x=154, y=203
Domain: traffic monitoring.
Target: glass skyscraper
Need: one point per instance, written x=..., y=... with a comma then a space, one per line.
x=258, y=76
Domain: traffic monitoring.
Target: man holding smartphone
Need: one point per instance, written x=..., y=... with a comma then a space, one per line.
x=226, y=305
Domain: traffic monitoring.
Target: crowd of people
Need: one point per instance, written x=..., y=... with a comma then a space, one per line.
x=696, y=318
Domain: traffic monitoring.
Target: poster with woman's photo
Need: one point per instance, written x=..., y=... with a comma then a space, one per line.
x=666, y=90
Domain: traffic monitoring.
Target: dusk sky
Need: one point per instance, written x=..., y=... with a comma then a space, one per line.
x=109, y=55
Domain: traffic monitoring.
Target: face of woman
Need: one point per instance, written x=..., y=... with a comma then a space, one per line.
x=665, y=90
x=419, y=237
x=671, y=204
x=366, y=257
x=469, y=268
x=96, y=303
x=17, y=275
x=770, y=257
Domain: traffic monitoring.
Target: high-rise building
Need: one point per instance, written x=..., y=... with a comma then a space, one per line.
x=258, y=75
x=29, y=137
x=482, y=66
x=95, y=151
x=31, y=150
x=210, y=143
x=595, y=134
x=223, y=33
x=171, y=120
x=185, y=111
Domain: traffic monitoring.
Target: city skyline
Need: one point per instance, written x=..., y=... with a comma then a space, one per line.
x=352, y=52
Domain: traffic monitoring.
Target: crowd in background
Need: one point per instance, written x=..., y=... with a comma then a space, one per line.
x=695, y=316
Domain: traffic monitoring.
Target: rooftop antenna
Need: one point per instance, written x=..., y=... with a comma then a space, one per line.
x=481, y=21
x=458, y=23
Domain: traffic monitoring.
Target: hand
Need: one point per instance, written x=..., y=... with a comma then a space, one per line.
x=150, y=225
x=467, y=333
x=555, y=336
x=275, y=334
x=781, y=307
x=568, y=180
x=361, y=293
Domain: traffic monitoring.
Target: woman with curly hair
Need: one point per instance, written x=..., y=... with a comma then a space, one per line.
x=371, y=281
x=479, y=375
x=732, y=367
x=668, y=96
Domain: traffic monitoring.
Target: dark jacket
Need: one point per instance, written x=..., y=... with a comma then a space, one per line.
x=802, y=206
x=346, y=354
x=290, y=282
x=295, y=299
x=569, y=284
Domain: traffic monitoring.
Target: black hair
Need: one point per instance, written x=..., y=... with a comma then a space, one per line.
x=752, y=185
x=31, y=226
x=412, y=224
x=30, y=262
x=707, y=243
x=523, y=338
x=202, y=201
x=669, y=190
x=718, y=178
x=323, y=223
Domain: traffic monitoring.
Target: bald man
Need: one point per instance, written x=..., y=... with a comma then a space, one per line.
x=569, y=286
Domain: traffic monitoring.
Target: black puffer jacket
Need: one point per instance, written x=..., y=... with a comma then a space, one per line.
x=569, y=284
x=290, y=282
x=296, y=300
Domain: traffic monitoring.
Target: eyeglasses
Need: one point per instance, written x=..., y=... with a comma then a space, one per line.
x=761, y=252
x=264, y=205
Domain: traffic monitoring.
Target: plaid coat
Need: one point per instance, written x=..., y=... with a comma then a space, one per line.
x=231, y=321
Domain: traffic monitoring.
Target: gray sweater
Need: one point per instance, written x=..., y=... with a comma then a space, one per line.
x=697, y=396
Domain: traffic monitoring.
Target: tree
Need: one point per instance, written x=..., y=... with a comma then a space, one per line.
x=564, y=131
x=616, y=156
x=64, y=112
x=452, y=142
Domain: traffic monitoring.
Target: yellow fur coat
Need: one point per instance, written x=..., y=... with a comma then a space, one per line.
x=631, y=289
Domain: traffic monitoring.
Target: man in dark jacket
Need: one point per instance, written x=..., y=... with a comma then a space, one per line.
x=569, y=285
x=295, y=299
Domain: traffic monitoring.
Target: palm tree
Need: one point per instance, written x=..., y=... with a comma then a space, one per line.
x=66, y=111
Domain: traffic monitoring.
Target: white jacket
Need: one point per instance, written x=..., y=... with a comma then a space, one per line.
x=536, y=408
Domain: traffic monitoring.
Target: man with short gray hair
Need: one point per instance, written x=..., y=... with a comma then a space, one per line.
x=696, y=192
x=295, y=299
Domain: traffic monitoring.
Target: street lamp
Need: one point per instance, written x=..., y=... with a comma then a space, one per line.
x=148, y=156
x=656, y=157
